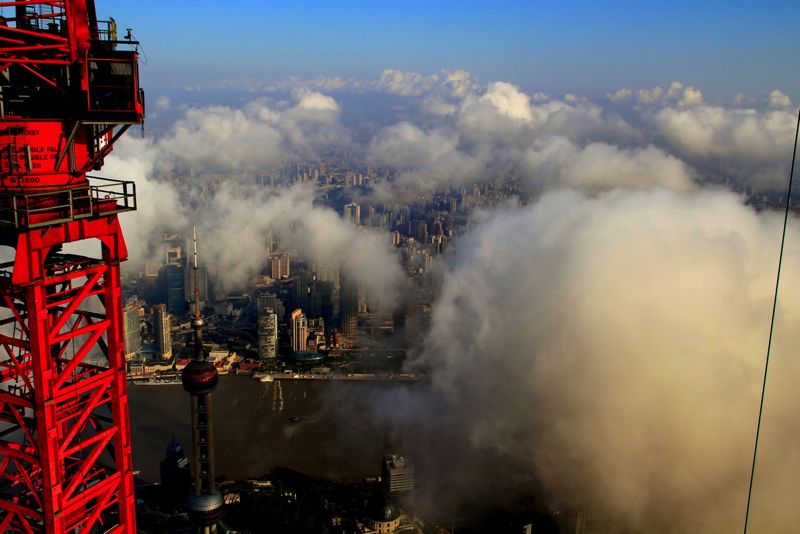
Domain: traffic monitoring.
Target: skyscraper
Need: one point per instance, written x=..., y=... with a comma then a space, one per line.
x=268, y=334
x=133, y=331
x=422, y=232
x=161, y=326
x=285, y=264
x=172, y=255
x=271, y=301
x=301, y=290
x=299, y=330
x=352, y=213
x=398, y=480
x=275, y=266
x=176, y=297
x=348, y=308
x=279, y=265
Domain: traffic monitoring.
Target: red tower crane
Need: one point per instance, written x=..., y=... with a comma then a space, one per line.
x=68, y=89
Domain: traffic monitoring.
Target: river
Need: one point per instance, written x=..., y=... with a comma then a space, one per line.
x=256, y=426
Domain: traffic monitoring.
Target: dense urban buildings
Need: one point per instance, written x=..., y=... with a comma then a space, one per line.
x=339, y=313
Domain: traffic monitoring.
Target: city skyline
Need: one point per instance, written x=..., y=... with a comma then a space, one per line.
x=610, y=203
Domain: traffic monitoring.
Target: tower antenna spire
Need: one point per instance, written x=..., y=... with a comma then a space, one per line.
x=196, y=276
x=199, y=380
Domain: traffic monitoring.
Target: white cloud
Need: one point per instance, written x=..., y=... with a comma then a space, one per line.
x=691, y=97
x=620, y=96
x=406, y=83
x=499, y=114
x=736, y=134
x=237, y=220
x=258, y=135
x=163, y=103
x=159, y=207
x=649, y=96
x=615, y=346
x=425, y=159
x=508, y=100
x=315, y=101
x=459, y=83
x=330, y=83
x=779, y=100
x=224, y=139
x=557, y=162
x=504, y=115
x=435, y=105
x=677, y=92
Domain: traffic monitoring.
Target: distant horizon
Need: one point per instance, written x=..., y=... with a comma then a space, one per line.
x=587, y=49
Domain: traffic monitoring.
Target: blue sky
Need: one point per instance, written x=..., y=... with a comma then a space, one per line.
x=723, y=48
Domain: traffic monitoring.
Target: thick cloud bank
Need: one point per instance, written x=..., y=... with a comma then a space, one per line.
x=236, y=224
x=257, y=135
x=615, y=345
x=235, y=220
x=671, y=131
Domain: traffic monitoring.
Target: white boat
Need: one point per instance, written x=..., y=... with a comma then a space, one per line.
x=266, y=378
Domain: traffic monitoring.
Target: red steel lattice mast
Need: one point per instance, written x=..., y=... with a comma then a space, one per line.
x=68, y=89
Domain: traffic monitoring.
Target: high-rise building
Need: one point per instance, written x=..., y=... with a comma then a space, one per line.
x=172, y=255
x=348, y=309
x=327, y=272
x=176, y=294
x=151, y=269
x=176, y=478
x=422, y=232
x=302, y=290
x=133, y=330
x=299, y=331
x=271, y=301
x=398, y=480
x=324, y=297
x=285, y=263
x=161, y=326
x=316, y=334
x=279, y=265
x=268, y=334
x=352, y=213
x=275, y=266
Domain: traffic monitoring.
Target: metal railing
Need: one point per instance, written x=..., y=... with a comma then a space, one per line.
x=101, y=197
x=121, y=191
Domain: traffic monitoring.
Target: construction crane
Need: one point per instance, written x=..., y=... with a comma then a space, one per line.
x=69, y=89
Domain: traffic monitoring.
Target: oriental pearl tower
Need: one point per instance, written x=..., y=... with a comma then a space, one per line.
x=199, y=380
